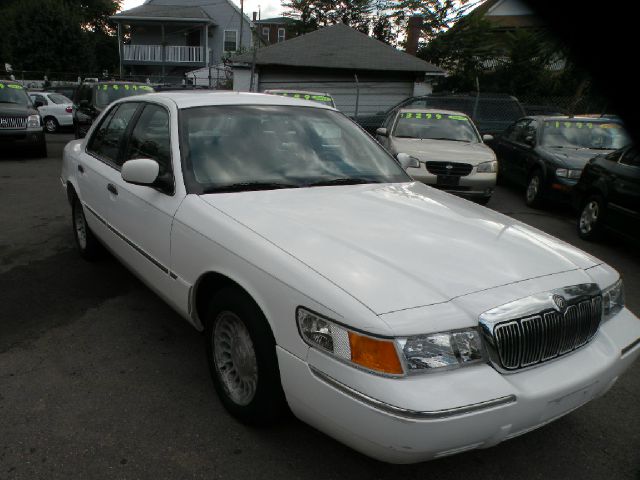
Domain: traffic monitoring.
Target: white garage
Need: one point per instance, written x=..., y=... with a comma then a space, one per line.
x=362, y=74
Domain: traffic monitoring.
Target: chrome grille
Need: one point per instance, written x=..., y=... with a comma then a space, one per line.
x=542, y=337
x=13, y=123
x=441, y=168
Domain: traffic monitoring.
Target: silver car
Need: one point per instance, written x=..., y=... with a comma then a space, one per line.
x=446, y=149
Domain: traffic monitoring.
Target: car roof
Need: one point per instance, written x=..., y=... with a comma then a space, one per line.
x=116, y=82
x=431, y=110
x=202, y=99
x=575, y=117
x=285, y=90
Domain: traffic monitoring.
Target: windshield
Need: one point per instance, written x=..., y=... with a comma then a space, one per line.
x=584, y=134
x=278, y=147
x=435, y=126
x=314, y=97
x=13, y=93
x=107, y=93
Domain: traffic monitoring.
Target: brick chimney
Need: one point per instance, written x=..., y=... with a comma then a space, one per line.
x=414, y=30
x=255, y=16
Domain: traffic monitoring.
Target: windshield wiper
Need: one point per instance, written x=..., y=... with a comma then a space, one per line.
x=407, y=136
x=14, y=103
x=248, y=186
x=340, y=181
x=445, y=138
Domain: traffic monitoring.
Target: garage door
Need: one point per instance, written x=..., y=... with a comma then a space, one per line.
x=375, y=94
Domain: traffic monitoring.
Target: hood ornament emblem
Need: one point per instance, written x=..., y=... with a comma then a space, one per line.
x=560, y=302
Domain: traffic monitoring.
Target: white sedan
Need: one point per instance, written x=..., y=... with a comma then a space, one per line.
x=56, y=110
x=399, y=319
x=451, y=154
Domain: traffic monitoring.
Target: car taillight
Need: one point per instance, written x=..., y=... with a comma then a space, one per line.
x=69, y=109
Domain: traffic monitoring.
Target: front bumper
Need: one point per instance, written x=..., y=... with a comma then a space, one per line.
x=418, y=418
x=474, y=185
x=22, y=137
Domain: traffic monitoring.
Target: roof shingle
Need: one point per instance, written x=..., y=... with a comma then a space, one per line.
x=341, y=47
x=152, y=12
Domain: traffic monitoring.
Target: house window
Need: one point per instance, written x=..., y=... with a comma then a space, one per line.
x=230, y=40
x=281, y=35
x=265, y=33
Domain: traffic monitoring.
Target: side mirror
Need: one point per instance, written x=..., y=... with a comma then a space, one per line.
x=140, y=171
x=487, y=137
x=530, y=140
x=382, y=132
x=407, y=161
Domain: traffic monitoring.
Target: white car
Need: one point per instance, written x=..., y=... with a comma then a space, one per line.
x=403, y=321
x=451, y=154
x=55, y=109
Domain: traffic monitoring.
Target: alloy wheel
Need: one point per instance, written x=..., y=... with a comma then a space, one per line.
x=589, y=216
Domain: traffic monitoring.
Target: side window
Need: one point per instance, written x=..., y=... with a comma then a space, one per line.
x=631, y=158
x=41, y=98
x=230, y=41
x=531, y=130
x=151, y=138
x=388, y=122
x=84, y=94
x=107, y=139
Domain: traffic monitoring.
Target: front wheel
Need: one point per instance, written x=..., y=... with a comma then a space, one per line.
x=242, y=358
x=534, y=192
x=590, y=219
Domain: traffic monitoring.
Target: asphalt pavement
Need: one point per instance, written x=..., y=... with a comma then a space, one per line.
x=100, y=379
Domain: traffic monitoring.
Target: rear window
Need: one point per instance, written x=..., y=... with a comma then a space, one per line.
x=59, y=99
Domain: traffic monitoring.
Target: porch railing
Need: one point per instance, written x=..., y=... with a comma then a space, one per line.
x=172, y=53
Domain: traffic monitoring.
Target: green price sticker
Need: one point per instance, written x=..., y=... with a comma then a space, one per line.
x=462, y=118
x=147, y=89
x=15, y=86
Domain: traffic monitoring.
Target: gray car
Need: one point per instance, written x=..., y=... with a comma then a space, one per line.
x=447, y=149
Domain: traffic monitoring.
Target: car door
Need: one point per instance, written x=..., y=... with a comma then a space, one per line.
x=624, y=193
x=507, y=149
x=142, y=215
x=524, y=154
x=98, y=166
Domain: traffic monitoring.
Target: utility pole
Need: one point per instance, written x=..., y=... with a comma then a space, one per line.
x=241, y=23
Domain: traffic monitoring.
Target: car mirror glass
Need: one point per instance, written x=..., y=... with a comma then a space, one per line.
x=382, y=132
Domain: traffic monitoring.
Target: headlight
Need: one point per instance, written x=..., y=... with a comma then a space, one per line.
x=568, y=173
x=488, y=167
x=416, y=354
x=442, y=350
x=33, y=121
x=612, y=299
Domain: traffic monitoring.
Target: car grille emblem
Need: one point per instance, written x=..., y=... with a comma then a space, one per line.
x=560, y=302
x=449, y=166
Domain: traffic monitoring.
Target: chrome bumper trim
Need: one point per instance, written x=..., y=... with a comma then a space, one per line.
x=630, y=347
x=411, y=414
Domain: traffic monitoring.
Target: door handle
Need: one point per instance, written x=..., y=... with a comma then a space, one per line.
x=80, y=168
x=111, y=187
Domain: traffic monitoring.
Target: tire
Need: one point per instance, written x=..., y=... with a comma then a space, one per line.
x=242, y=358
x=88, y=245
x=591, y=218
x=533, y=195
x=51, y=125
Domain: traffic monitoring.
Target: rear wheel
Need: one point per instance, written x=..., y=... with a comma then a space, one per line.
x=242, y=358
x=51, y=125
x=88, y=245
x=590, y=219
x=534, y=192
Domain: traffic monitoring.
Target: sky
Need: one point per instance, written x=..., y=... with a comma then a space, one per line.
x=269, y=8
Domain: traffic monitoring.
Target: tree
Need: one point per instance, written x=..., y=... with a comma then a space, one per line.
x=314, y=14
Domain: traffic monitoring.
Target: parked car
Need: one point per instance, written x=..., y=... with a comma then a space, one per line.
x=607, y=195
x=20, y=122
x=449, y=151
x=403, y=321
x=68, y=91
x=323, y=98
x=546, y=155
x=56, y=110
x=93, y=97
x=491, y=112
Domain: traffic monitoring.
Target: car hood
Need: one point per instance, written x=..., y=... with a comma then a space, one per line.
x=443, y=150
x=10, y=109
x=399, y=246
x=571, y=157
